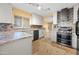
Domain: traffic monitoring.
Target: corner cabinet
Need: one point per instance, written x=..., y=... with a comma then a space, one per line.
x=5, y=13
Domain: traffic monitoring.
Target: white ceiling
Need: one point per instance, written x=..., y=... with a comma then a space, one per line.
x=33, y=9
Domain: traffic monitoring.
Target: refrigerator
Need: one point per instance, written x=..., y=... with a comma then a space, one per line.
x=77, y=32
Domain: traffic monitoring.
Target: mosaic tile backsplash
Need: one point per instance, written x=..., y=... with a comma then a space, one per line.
x=5, y=27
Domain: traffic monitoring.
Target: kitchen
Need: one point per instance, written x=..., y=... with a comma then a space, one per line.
x=22, y=25
x=16, y=34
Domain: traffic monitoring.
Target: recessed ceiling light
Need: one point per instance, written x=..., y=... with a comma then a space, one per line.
x=39, y=7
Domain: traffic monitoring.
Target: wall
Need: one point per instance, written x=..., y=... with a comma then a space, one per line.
x=50, y=33
x=47, y=21
x=45, y=24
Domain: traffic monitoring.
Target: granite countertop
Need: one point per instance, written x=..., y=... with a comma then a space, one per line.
x=11, y=36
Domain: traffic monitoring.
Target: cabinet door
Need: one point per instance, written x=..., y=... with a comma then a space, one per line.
x=36, y=20
x=18, y=47
x=5, y=12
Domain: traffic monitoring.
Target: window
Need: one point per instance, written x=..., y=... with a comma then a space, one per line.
x=17, y=21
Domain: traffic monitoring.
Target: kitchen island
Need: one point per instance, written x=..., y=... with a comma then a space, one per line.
x=15, y=43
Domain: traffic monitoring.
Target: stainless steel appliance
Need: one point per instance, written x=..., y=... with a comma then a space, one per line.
x=64, y=36
x=35, y=35
x=77, y=33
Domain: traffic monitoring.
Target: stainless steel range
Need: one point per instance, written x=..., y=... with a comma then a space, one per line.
x=64, y=36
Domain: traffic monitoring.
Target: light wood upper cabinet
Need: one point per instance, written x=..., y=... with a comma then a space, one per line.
x=5, y=13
